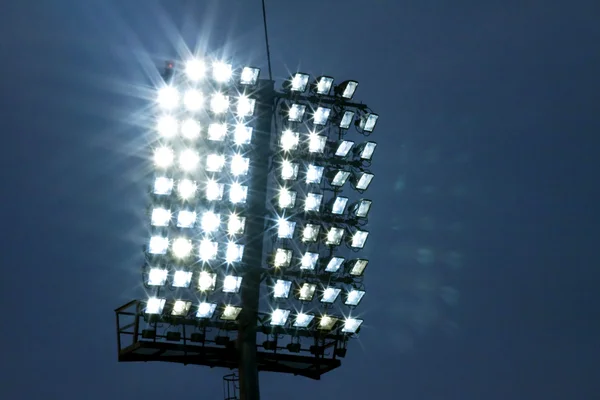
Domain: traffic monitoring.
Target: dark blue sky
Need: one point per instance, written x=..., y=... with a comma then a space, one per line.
x=486, y=190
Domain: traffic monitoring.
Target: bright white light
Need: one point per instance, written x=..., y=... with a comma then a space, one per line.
x=182, y=247
x=163, y=157
x=188, y=160
x=349, y=89
x=339, y=205
x=235, y=225
x=245, y=106
x=249, y=76
x=289, y=170
x=222, y=71
x=334, y=236
x=186, y=189
x=157, y=276
x=210, y=222
x=168, y=98
x=158, y=245
x=190, y=129
x=354, y=297
x=334, y=264
x=312, y=203
x=289, y=140
x=181, y=308
x=344, y=148
x=208, y=250
x=206, y=310
x=287, y=198
x=316, y=143
x=207, y=281
x=296, y=113
x=219, y=103
x=215, y=162
x=214, y=190
x=182, y=278
x=242, y=134
x=155, y=305
x=186, y=219
x=279, y=317
x=367, y=122
x=340, y=178
x=238, y=193
x=160, y=216
x=234, y=252
x=193, y=100
x=351, y=325
x=364, y=181
x=358, y=268
x=217, y=131
x=309, y=260
x=321, y=115
x=307, y=291
x=347, y=119
x=358, y=239
x=314, y=174
x=286, y=229
x=367, y=150
x=330, y=294
x=324, y=84
x=281, y=289
x=283, y=257
x=239, y=165
x=303, y=320
x=230, y=313
x=231, y=284
x=195, y=70
x=163, y=185
x=299, y=82
x=167, y=126
x=362, y=209
x=327, y=323
x=311, y=233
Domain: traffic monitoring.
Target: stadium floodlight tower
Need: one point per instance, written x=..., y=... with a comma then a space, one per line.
x=257, y=212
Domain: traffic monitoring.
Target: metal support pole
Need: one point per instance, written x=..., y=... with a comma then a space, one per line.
x=255, y=229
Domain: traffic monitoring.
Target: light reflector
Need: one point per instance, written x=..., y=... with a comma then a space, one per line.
x=217, y=131
x=311, y=233
x=190, y=129
x=287, y=198
x=232, y=283
x=358, y=267
x=324, y=84
x=186, y=219
x=343, y=148
x=358, y=239
x=347, y=119
x=339, y=205
x=157, y=276
x=283, y=258
x=235, y=225
x=296, y=113
x=354, y=297
x=163, y=185
x=214, y=190
x=210, y=222
x=208, y=250
x=155, y=305
x=168, y=98
x=195, y=70
x=327, y=323
x=289, y=140
x=207, y=281
x=158, y=245
x=346, y=89
x=182, y=247
x=163, y=157
x=361, y=209
x=299, y=82
x=368, y=121
x=221, y=71
x=334, y=264
x=314, y=174
x=188, y=160
x=309, y=260
x=193, y=100
x=285, y=229
x=330, y=295
x=321, y=116
x=307, y=291
x=367, y=149
x=186, y=189
x=245, y=106
x=249, y=76
x=239, y=165
x=316, y=143
x=281, y=289
x=312, y=203
x=215, y=162
x=238, y=193
x=279, y=317
x=340, y=178
x=230, y=313
x=182, y=278
x=303, y=320
x=160, y=217
x=362, y=180
x=206, y=310
x=242, y=134
x=234, y=252
x=167, y=126
x=289, y=170
x=219, y=103
x=351, y=325
x=334, y=236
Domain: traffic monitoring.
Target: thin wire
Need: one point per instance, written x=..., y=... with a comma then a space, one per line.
x=267, y=39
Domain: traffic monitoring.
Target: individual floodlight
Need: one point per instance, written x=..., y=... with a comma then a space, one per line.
x=343, y=148
x=210, y=222
x=310, y=233
x=214, y=190
x=249, y=76
x=167, y=126
x=314, y=174
x=346, y=119
x=219, y=103
x=330, y=295
x=207, y=281
x=358, y=239
x=232, y=283
x=353, y=297
x=215, y=162
x=163, y=185
x=217, y=131
x=234, y=252
x=321, y=116
x=297, y=83
x=157, y=276
x=303, y=320
x=361, y=181
x=281, y=289
x=327, y=323
x=242, y=134
x=190, y=129
x=186, y=219
x=282, y=258
x=208, y=250
x=361, y=209
x=193, y=100
x=334, y=236
x=289, y=170
x=368, y=121
x=160, y=217
x=158, y=245
x=238, y=193
x=312, y=202
x=230, y=313
x=346, y=89
x=182, y=278
x=239, y=165
x=296, y=113
x=155, y=305
x=307, y=291
x=285, y=229
x=186, y=189
x=334, y=264
x=351, y=325
x=338, y=178
x=188, y=160
x=163, y=157
x=322, y=85
x=357, y=267
x=236, y=224
x=195, y=70
x=339, y=205
x=245, y=106
x=206, y=310
x=222, y=71
x=286, y=198
x=182, y=247
x=316, y=143
x=279, y=317
x=289, y=140
x=366, y=150
x=168, y=98
x=309, y=260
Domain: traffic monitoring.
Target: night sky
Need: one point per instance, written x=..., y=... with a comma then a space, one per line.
x=484, y=250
